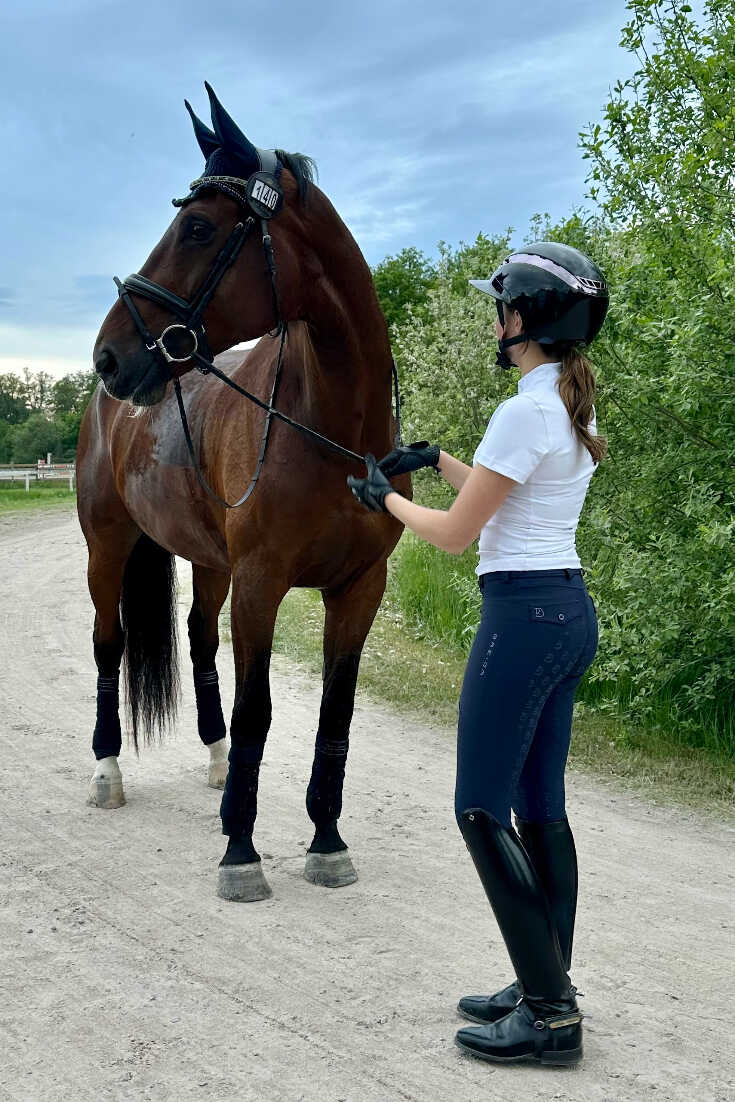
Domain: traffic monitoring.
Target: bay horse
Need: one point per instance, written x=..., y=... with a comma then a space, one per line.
x=304, y=288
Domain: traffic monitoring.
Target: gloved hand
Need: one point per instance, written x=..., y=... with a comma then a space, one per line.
x=371, y=491
x=409, y=457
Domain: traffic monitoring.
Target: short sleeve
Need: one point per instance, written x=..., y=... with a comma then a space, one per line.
x=515, y=441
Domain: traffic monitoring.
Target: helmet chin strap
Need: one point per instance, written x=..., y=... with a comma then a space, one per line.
x=502, y=358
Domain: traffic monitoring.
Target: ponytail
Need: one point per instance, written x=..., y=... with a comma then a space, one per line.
x=577, y=392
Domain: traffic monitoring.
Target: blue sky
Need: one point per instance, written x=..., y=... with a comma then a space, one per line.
x=427, y=120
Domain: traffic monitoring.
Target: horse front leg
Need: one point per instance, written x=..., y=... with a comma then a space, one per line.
x=256, y=596
x=349, y=615
x=210, y=592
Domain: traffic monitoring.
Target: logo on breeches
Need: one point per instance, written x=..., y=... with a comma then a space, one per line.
x=488, y=654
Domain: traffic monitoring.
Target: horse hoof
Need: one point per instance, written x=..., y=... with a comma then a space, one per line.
x=330, y=870
x=242, y=883
x=217, y=774
x=106, y=787
x=218, y=764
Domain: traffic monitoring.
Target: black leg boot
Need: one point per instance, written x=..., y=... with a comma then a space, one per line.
x=554, y=857
x=551, y=849
x=546, y=1024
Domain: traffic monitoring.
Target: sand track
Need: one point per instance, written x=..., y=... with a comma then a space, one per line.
x=123, y=976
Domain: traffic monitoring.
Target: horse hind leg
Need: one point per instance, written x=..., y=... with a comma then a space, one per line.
x=132, y=582
x=210, y=592
x=349, y=615
x=105, y=578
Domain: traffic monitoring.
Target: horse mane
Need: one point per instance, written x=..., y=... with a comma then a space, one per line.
x=303, y=168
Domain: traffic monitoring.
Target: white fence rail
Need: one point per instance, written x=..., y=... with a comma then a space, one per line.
x=39, y=472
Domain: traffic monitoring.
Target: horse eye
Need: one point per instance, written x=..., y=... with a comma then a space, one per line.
x=200, y=231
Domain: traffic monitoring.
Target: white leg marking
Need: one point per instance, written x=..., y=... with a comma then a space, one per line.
x=218, y=764
x=106, y=786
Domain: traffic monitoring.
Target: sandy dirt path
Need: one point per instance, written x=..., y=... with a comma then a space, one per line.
x=122, y=975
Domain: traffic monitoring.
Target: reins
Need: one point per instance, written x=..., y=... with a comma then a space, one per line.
x=266, y=431
x=262, y=194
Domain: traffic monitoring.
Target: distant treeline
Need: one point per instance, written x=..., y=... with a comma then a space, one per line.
x=40, y=414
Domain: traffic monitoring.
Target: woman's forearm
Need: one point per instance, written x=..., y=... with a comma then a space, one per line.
x=454, y=470
x=430, y=524
x=482, y=494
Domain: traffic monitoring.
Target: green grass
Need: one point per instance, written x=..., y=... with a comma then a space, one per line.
x=402, y=667
x=436, y=592
x=53, y=492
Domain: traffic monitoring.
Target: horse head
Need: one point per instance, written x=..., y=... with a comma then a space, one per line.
x=210, y=282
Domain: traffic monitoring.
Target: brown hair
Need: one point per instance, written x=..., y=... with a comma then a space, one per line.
x=577, y=392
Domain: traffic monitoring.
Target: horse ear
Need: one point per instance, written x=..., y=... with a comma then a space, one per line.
x=229, y=134
x=208, y=142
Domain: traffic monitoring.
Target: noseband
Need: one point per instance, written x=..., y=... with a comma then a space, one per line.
x=190, y=313
x=260, y=195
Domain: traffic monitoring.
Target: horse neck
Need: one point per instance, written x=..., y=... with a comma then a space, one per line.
x=350, y=365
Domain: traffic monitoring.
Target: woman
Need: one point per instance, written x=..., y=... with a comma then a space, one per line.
x=537, y=636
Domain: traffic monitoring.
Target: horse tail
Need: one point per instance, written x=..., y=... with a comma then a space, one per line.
x=149, y=621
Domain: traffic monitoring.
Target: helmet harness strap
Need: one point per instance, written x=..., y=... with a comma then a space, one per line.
x=502, y=358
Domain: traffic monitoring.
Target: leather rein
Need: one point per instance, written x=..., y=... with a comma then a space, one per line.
x=259, y=195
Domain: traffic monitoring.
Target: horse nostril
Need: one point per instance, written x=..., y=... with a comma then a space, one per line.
x=105, y=363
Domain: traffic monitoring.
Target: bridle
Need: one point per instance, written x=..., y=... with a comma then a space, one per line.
x=260, y=195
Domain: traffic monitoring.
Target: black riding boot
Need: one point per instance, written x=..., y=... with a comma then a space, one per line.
x=546, y=1024
x=551, y=849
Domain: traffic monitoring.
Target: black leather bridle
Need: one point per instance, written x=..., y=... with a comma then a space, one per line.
x=260, y=195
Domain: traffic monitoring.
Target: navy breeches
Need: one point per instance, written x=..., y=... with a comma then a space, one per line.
x=537, y=636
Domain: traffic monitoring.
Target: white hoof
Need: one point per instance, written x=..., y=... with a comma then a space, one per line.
x=106, y=786
x=330, y=870
x=242, y=883
x=218, y=764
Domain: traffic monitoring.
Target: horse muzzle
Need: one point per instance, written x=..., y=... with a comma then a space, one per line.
x=140, y=379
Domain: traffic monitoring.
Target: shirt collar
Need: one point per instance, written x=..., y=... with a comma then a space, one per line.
x=542, y=377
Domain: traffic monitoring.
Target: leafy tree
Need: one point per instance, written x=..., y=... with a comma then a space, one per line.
x=13, y=399
x=32, y=439
x=38, y=389
x=71, y=393
x=476, y=261
x=402, y=282
x=665, y=150
x=67, y=425
x=450, y=387
x=6, y=433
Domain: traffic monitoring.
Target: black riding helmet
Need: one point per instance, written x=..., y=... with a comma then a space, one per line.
x=559, y=292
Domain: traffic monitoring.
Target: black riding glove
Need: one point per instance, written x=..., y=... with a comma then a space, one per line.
x=371, y=491
x=409, y=457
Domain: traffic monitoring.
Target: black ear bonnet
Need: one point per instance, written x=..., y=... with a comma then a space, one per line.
x=226, y=149
x=231, y=160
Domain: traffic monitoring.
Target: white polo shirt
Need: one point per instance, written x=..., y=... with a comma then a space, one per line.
x=530, y=439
